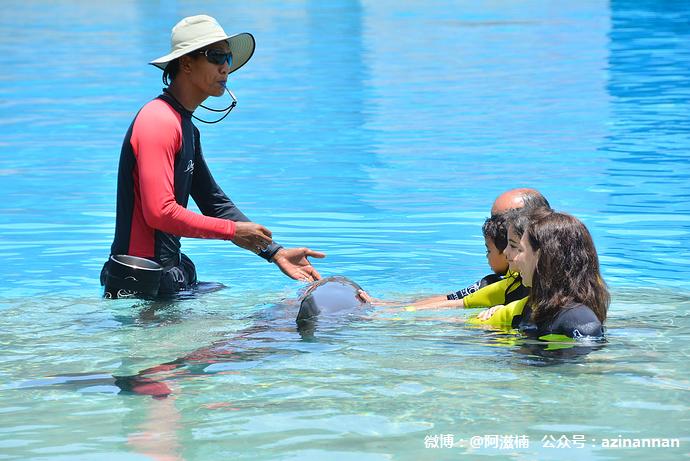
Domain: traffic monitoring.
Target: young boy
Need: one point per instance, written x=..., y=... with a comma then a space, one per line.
x=495, y=239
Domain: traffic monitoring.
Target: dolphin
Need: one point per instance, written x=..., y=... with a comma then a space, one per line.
x=328, y=301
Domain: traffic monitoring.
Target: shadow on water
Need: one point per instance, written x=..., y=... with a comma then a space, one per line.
x=166, y=310
x=539, y=354
x=323, y=306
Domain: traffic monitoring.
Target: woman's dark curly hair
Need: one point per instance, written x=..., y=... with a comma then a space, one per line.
x=567, y=270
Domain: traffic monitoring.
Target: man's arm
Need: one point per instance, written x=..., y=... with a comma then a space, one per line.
x=155, y=140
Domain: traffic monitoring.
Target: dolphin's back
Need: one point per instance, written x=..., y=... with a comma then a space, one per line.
x=329, y=298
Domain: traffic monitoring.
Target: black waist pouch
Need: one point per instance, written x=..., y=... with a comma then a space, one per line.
x=125, y=275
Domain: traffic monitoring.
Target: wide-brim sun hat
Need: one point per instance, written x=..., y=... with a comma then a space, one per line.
x=195, y=32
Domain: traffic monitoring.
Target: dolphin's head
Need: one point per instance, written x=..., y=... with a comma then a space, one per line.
x=329, y=300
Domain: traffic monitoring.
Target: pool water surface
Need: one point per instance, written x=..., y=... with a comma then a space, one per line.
x=380, y=133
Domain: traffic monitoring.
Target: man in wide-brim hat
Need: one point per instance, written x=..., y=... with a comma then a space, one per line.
x=161, y=165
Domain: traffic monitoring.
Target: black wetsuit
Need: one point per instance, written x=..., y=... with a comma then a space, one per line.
x=575, y=321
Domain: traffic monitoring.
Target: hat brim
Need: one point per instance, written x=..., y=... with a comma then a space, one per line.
x=241, y=46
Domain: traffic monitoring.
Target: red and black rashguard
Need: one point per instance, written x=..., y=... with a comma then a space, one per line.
x=161, y=165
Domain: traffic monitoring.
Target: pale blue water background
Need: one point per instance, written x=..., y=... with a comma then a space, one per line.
x=378, y=132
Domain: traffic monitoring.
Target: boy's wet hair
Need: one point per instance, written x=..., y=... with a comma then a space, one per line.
x=496, y=229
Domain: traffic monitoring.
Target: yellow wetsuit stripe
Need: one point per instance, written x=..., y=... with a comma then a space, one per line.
x=503, y=317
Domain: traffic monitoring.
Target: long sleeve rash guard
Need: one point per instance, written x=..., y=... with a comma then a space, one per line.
x=161, y=165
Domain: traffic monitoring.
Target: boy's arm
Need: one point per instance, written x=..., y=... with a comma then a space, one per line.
x=438, y=303
x=443, y=304
x=432, y=300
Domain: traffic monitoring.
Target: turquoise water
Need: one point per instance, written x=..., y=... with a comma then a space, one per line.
x=380, y=133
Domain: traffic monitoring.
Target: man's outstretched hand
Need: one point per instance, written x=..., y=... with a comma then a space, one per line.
x=294, y=263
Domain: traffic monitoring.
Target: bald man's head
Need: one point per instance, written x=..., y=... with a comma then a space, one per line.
x=519, y=198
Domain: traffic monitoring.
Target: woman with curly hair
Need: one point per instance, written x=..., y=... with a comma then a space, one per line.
x=557, y=260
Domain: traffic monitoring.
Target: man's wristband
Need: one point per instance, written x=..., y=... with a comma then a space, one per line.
x=270, y=251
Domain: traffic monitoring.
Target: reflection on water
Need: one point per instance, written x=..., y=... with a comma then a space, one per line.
x=378, y=132
x=647, y=215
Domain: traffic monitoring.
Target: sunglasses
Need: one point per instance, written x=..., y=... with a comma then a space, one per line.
x=217, y=57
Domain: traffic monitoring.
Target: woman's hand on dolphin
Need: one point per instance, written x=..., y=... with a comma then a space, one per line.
x=251, y=236
x=488, y=313
x=293, y=262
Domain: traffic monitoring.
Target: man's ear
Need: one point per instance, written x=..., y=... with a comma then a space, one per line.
x=186, y=64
